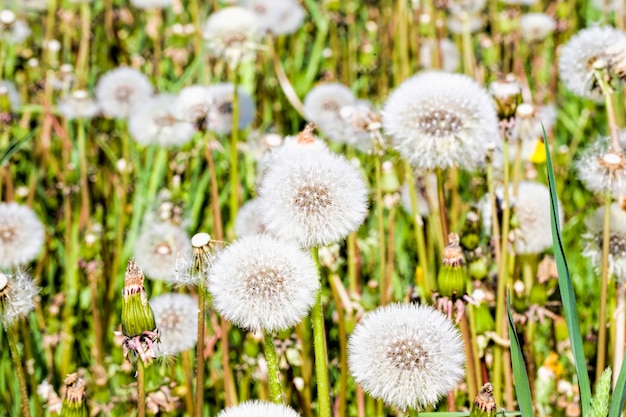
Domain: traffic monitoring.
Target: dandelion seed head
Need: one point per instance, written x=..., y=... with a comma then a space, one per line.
x=450, y=58
x=13, y=30
x=156, y=121
x=9, y=92
x=583, y=51
x=313, y=198
x=456, y=23
x=279, y=17
x=441, y=120
x=232, y=33
x=157, y=249
x=176, y=317
x=532, y=209
x=407, y=355
x=220, y=110
x=248, y=221
x=259, y=282
x=602, y=169
x=592, y=241
x=21, y=235
x=151, y=4
x=119, y=91
x=78, y=105
x=192, y=103
x=17, y=296
x=258, y=409
x=535, y=27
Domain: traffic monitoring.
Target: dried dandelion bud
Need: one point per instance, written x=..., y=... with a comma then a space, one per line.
x=484, y=404
x=75, y=399
x=137, y=315
x=452, y=278
x=507, y=94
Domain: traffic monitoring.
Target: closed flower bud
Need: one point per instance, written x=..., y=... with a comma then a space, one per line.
x=484, y=404
x=137, y=315
x=452, y=278
x=74, y=400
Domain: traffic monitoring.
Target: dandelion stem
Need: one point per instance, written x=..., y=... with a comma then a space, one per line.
x=413, y=412
x=620, y=330
x=419, y=234
x=604, y=284
x=234, y=139
x=272, y=368
x=199, y=406
x=141, y=389
x=380, y=212
x=607, y=92
x=353, y=276
x=19, y=371
x=283, y=80
x=82, y=60
x=321, y=357
x=468, y=53
x=442, y=203
x=335, y=282
x=186, y=357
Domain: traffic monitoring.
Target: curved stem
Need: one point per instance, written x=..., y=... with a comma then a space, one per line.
x=604, y=284
x=283, y=80
x=19, y=371
x=321, y=357
x=273, y=374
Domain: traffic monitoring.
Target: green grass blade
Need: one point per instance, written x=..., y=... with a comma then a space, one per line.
x=520, y=377
x=14, y=146
x=619, y=393
x=567, y=291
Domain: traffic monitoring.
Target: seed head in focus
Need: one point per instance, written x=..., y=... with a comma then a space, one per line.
x=603, y=169
x=259, y=282
x=407, y=355
x=17, y=296
x=21, y=235
x=258, y=409
x=441, y=120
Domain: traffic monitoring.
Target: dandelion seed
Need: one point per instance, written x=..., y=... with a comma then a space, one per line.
x=279, y=17
x=17, y=296
x=407, y=355
x=535, y=27
x=259, y=282
x=158, y=248
x=156, y=122
x=258, y=409
x=176, y=317
x=450, y=58
x=617, y=241
x=219, y=118
x=603, y=169
x=232, y=34
x=588, y=48
x=78, y=105
x=312, y=196
x=21, y=235
x=120, y=90
x=441, y=120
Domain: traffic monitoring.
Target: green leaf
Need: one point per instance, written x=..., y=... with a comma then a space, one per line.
x=619, y=393
x=520, y=377
x=567, y=292
x=14, y=146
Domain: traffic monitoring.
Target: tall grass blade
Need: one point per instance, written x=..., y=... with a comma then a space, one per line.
x=567, y=291
x=520, y=376
x=619, y=393
x=14, y=146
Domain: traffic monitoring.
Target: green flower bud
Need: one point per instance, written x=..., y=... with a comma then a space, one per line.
x=484, y=319
x=478, y=269
x=137, y=315
x=389, y=182
x=484, y=404
x=74, y=400
x=452, y=277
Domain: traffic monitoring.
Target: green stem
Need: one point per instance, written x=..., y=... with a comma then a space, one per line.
x=418, y=229
x=607, y=92
x=234, y=139
x=321, y=357
x=353, y=277
x=335, y=282
x=199, y=406
x=141, y=389
x=413, y=412
x=604, y=284
x=19, y=371
x=381, y=231
x=620, y=330
x=468, y=53
x=273, y=374
x=82, y=74
x=443, y=214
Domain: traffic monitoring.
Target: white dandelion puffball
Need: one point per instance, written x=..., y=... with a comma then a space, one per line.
x=587, y=48
x=21, y=235
x=450, y=58
x=617, y=241
x=279, y=17
x=232, y=33
x=259, y=282
x=219, y=118
x=17, y=296
x=13, y=30
x=157, y=249
x=532, y=209
x=248, y=221
x=407, y=355
x=8, y=89
x=78, y=105
x=176, y=317
x=151, y=4
x=156, y=121
x=456, y=23
x=312, y=198
x=441, y=120
x=258, y=409
x=535, y=27
x=192, y=103
x=120, y=90
x=603, y=169
x=323, y=105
